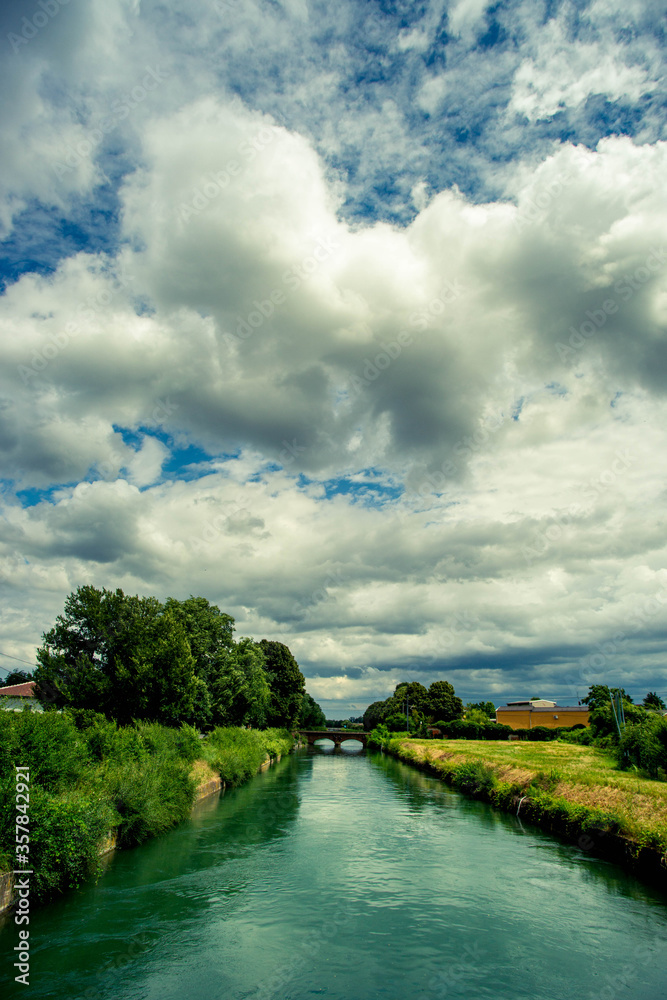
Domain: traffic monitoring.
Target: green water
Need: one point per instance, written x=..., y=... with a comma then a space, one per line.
x=349, y=876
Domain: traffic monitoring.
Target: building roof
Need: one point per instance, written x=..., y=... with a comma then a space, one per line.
x=536, y=702
x=25, y=690
x=537, y=708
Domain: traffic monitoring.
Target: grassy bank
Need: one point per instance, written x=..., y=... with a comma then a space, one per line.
x=575, y=791
x=90, y=777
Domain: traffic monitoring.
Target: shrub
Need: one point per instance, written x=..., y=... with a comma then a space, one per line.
x=474, y=778
x=541, y=733
x=65, y=832
x=236, y=754
x=47, y=743
x=644, y=745
x=150, y=796
x=496, y=731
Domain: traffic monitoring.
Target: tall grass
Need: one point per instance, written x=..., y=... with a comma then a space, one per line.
x=89, y=776
x=236, y=754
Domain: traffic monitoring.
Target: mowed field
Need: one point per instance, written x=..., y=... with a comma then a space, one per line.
x=579, y=775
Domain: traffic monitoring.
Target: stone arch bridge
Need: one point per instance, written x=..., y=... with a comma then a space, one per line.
x=337, y=735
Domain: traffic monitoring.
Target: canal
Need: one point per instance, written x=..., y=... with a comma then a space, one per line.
x=349, y=876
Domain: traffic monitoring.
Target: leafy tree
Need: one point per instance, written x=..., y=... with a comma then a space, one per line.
x=442, y=702
x=652, y=701
x=375, y=714
x=239, y=688
x=476, y=715
x=487, y=708
x=286, y=683
x=395, y=723
x=644, y=744
x=311, y=715
x=412, y=690
x=124, y=656
x=16, y=677
x=599, y=696
x=209, y=630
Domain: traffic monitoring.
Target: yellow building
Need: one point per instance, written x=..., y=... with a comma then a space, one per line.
x=538, y=712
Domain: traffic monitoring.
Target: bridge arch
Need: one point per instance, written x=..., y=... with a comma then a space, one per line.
x=337, y=736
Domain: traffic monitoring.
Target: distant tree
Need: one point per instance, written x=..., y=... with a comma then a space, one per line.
x=487, y=708
x=600, y=695
x=442, y=702
x=286, y=683
x=375, y=714
x=415, y=692
x=652, y=701
x=311, y=715
x=16, y=677
x=476, y=715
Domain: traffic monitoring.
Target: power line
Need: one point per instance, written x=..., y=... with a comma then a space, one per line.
x=10, y=657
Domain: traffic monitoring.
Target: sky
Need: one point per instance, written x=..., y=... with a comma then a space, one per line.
x=350, y=318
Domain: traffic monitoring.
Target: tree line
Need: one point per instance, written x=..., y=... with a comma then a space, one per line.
x=411, y=700
x=171, y=662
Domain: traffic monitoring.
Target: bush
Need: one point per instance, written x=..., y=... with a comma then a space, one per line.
x=48, y=743
x=65, y=832
x=496, y=731
x=474, y=778
x=644, y=745
x=541, y=734
x=236, y=754
x=149, y=797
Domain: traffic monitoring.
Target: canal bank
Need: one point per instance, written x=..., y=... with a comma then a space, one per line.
x=349, y=875
x=574, y=792
x=236, y=755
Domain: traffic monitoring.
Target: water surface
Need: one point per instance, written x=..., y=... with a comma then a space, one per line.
x=349, y=876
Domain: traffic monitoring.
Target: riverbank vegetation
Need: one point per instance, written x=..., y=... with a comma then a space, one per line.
x=91, y=778
x=578, y=791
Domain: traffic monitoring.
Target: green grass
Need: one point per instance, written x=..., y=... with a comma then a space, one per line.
x=570, y=785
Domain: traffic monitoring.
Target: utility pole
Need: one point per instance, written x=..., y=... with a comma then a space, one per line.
x=407, y=712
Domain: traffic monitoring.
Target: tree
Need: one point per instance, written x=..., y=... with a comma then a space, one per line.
x=16, y=677
x=375, y=714
x=600, y=695
x=311, y=715
x=476, y=715
x=209, y=630
x=652, y=702
x=487, y=708
x=124, y=656
x=286, y=683
x=443, y=704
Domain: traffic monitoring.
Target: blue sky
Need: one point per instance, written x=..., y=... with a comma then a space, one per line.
x=351, y=319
